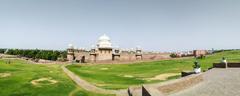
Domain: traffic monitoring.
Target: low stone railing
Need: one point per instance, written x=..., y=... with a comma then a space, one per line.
x=230, y=65
x=177, y=85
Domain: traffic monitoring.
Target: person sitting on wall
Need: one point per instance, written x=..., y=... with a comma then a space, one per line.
x=197, y=67
x=224, y=61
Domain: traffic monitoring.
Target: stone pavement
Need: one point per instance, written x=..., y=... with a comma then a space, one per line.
x=217, y=82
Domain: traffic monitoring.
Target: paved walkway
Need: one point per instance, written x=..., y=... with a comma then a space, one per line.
x=217, y=82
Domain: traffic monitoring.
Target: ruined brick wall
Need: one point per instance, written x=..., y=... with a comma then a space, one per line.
x=127, y=57
x=155, y=56
x=79, y=55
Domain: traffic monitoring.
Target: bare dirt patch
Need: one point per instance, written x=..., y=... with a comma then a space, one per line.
x=104, y=68
x=163, y=76
x=4, y=75
x=44, y=81
x=128, y=76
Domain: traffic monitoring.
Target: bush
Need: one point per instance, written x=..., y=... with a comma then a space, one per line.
x=2, y=50
x=173, y=55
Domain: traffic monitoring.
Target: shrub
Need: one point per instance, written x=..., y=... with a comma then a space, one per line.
x=2, y=50
x=173, y=55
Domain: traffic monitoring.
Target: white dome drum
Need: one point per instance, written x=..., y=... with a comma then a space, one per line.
x=104, y=42
x=70, y=46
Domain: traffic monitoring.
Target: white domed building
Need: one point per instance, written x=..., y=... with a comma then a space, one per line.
x=102, y=51
x=104, y=46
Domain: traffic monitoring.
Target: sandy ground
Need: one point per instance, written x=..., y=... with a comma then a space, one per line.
x=104, y=68
x=128, y=76
x=163, y=76
x=37, y=81
x=3, y=75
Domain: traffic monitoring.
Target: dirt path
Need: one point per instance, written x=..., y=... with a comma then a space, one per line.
x=90, y=87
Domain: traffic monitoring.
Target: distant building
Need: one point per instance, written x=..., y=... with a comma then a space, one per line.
x=198, y=53
x=103, y=51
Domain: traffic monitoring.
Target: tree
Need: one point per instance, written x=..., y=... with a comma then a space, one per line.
x=37, y=54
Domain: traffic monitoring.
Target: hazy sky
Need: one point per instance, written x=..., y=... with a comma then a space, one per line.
x=162, y=25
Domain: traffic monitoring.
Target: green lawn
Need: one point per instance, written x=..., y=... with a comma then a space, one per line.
x=121, y=76
x=17, y=82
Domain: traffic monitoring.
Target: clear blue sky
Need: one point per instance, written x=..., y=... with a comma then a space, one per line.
x=162, y=25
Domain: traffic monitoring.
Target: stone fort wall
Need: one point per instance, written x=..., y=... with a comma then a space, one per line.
x=122, y=57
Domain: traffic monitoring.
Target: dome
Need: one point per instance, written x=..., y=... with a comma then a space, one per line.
x=104, y=42
x=138, y=48
x=70, y=46
x=104, y=37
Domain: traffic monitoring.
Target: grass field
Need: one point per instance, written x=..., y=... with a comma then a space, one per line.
x=22, y=79
x=121, y=76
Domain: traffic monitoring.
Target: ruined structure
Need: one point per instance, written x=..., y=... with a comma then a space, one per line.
x=103, y=51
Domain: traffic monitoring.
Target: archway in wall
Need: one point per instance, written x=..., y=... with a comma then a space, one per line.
x=83, y=59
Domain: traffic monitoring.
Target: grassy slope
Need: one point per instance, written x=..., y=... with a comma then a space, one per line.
x=113, y=78
x=22, y=74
